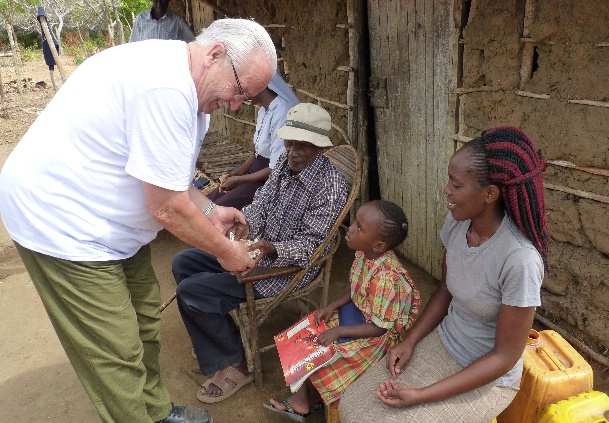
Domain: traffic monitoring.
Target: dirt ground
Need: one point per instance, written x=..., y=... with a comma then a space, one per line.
x=37, y=383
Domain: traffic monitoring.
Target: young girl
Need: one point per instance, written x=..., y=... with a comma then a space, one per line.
x=382, y=296
x=462, y=360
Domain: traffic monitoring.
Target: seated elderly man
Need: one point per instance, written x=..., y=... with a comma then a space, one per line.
x=291, y=215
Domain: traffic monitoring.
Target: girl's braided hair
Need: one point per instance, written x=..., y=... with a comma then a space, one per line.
x=507, y=158
x=394, y=228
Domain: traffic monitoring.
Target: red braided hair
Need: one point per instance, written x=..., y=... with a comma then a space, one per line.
x=508, y=158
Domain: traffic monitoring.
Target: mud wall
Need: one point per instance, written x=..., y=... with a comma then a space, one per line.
x=311, y=48
x=570, y=60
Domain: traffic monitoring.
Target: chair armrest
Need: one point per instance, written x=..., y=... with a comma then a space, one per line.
x=261, y=273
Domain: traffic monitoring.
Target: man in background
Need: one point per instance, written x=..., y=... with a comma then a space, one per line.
x=160, y=24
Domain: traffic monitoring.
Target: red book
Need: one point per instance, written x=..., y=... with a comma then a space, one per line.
x=300, y=353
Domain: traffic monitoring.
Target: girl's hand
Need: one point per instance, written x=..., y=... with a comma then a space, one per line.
x=229, y=183
x=398, y=357
x=329, y=336
x=323, y=314
x=394, y=394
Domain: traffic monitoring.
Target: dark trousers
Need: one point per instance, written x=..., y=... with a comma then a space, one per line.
x=205, y=295
x=242, y=194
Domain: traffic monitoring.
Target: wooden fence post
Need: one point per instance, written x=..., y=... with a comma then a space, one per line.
x=47, y=34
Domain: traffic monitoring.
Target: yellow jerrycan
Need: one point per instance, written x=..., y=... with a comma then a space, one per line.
x=589, y=407
x=553, y=371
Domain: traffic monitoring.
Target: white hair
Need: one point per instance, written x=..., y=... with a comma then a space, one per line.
x=240, y=37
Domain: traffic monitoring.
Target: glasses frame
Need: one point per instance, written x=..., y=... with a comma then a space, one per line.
x=239, y=87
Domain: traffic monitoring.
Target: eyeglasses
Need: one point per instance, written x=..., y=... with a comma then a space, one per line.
x=241, y=91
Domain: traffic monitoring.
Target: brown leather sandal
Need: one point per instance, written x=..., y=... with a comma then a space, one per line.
x=229, y=380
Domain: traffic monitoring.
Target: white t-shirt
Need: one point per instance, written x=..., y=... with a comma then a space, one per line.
x=266, y=142
x=72, y=188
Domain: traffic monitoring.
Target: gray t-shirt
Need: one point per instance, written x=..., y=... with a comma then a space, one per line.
x=505, y=269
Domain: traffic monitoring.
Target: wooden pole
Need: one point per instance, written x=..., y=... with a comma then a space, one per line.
x=532, y=95
x=357, y=89
x=53, y=80
x=16, y=58
x=1, y=89
x=323, y=100
x=528, y=47
x=590, y=103
x=529, y=16
x=47, y=34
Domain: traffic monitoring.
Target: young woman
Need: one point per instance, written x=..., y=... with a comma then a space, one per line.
x=381, y=303
x=462, y=360
x=238, y=189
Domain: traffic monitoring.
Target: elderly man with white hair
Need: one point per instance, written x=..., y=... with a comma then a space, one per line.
x=104, y=167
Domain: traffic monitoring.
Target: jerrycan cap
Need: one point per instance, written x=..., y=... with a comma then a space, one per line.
x=534, y=340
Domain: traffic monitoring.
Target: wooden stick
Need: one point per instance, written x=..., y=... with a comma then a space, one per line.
x=342, y=133
x=275, y=26
x=345, y=69
x=526, y=63
x=47, y=34
x=484, y=88
x=599, y=358
x=462, y=138
x=529, y=16
x=323, y=100
x=343, y=26
x=532, y=95
x=578, y=193
x=1, y=89
x=169, y=301
x=605, y=44
x=53, y=80
x=245, y=122
x=570, y=165
x=590, y=103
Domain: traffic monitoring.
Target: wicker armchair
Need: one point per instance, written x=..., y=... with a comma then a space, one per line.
x=253, y=313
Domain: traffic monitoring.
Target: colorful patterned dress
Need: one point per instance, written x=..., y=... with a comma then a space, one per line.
x=387, y=296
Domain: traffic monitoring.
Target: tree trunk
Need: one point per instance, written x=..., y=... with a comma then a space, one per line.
x=111, y=34
x=16, y=57
x=1, y=90
x=57, y=30
x=119, y=23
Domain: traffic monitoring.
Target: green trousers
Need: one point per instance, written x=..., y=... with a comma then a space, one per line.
x=107, y=317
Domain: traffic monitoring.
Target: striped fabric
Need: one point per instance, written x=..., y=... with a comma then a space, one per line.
x=387, y=296
x=169, y=27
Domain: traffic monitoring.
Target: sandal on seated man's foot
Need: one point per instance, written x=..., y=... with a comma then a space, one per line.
x=229, y=381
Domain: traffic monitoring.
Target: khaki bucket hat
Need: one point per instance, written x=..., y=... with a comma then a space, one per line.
x=309, y=123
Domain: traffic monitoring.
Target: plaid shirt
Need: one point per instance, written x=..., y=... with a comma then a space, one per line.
x=295, y=213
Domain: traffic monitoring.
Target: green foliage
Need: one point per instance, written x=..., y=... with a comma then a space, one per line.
x=81, y=51
x=130, y=8
x=30, y=53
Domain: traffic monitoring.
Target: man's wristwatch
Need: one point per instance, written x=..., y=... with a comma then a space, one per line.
x=209, y=209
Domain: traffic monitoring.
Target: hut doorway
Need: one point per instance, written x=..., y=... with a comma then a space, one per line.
x=409, y=85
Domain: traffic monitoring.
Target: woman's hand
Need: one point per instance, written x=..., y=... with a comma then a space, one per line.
x=329, y=336
x=399, y=356
x=394, y=394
